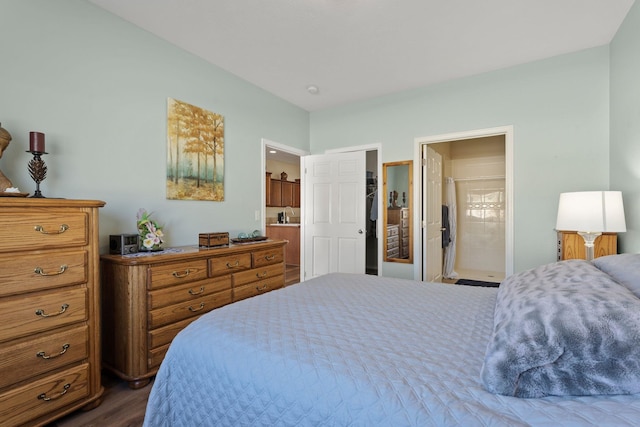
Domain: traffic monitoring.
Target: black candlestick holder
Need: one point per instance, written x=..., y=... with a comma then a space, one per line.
x=37, y=170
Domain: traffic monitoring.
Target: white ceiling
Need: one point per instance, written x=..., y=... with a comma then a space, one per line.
x=358, y=49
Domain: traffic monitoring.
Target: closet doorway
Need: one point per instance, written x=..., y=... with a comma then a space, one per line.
x=477, y=184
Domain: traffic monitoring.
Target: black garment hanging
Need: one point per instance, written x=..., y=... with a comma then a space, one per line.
x=446, y=228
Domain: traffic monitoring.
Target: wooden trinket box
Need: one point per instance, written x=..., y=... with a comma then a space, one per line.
x=209, y=240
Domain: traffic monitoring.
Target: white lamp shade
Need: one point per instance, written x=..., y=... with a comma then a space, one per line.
x=591, y=211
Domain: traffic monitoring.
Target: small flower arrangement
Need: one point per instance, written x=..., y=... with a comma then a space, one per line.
x=149, y=231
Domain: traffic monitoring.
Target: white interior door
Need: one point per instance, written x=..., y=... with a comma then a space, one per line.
x=432, y=207
x=334, y=223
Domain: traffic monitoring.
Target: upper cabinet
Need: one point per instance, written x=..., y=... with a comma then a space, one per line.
x=282, y=193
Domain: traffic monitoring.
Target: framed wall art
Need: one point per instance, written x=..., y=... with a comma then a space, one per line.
x=195, y=153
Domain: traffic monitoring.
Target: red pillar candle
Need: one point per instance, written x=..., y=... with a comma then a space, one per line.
x=36, y=142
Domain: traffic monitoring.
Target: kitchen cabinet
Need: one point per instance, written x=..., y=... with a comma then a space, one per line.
x=290, y=233
x=287, y=193
x=280, y=193
x=296, y=194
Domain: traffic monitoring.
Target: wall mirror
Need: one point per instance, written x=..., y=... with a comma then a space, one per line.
x=398, y=212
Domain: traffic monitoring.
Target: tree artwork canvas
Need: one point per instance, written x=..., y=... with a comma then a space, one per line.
x=195, y=153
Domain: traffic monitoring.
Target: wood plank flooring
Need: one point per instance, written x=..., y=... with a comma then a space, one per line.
x=120, y=407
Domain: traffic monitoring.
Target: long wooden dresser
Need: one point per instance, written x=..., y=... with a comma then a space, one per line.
x=49, y=309
x=147, y=299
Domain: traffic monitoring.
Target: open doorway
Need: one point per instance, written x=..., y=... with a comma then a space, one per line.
x=282, y=210
x=477, y=166
x=286, y=154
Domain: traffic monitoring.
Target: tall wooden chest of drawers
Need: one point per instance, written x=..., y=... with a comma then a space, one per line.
x=49, y=309
x=393, y=241
x=400, y=216
x=148, y=299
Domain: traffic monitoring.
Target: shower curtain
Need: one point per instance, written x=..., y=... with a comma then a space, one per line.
x=450, y=250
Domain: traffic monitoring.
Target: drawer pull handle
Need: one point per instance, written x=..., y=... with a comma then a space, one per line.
x=191, y=292
x=196, y=309
x=40, y=271
x=44, y=355
x=269, y=257
x=237, y=263
x=262, y=275
x=40, y=312
x=261, y=288
x=63, y=228
x=44, y=397
x=178, y=275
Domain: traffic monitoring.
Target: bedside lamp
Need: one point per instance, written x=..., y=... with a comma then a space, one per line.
x=591, y=213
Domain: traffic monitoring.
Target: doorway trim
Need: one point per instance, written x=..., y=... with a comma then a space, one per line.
x=507, y=131
x=263, y=182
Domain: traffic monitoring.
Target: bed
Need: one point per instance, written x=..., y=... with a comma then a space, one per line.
x=358, y=350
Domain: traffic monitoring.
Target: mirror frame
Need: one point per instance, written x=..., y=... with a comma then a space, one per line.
x=387, y=172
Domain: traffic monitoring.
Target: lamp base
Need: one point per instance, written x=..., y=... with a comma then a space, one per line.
x=589, y=239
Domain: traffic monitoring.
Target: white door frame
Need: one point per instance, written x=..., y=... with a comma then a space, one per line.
x=507, y=131
x=371, y=147
x=263, y=179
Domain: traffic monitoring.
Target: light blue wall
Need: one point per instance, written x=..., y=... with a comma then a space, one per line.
x=97, y=87
x=559, y=109
x=625, y=124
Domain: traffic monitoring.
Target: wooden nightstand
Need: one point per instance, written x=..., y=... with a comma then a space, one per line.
x=571, y=245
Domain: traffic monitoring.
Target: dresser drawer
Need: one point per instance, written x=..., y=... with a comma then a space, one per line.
x=188, y=291
x=267, y=257
x=35, y=230
x=257, y=288
x=180, y=272
x=34, y=272
x=36, y=355
x=28, y=314
x=257, y=274
x=156, y=355
x=164, y=335
x=229, y=264
x=23, y=404
x=177, y=312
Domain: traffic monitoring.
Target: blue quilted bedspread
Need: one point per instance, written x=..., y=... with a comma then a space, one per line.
x=353, y=350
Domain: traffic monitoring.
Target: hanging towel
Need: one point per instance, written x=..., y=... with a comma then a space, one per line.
x=446, y=229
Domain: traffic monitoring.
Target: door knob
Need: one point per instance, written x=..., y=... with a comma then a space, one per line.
x=360, y=231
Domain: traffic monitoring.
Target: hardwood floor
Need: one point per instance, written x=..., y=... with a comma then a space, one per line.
x=291, y=274
x=120, y=407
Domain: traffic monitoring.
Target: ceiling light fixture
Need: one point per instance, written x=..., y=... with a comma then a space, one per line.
x=272, y=151
x=313, y=90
